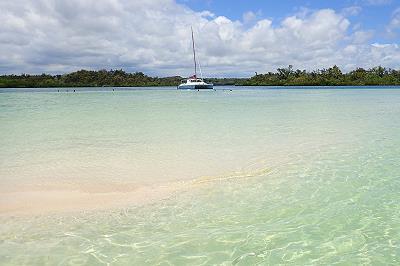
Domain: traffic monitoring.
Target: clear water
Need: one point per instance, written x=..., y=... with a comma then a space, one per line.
x=266, y=176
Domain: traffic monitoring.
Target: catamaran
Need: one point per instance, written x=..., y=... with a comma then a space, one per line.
x=193, y=82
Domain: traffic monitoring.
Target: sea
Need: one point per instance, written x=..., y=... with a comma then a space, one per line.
x=231, y=176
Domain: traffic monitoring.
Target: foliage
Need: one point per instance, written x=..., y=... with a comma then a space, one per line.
x=282, y=77
x=86, y=78
x=326, y=77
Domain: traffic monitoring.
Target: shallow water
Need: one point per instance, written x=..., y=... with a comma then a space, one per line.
x=252, y=176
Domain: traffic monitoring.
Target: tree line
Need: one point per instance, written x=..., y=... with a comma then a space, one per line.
x=86, y=78
x=326, y=77
x=282, y=77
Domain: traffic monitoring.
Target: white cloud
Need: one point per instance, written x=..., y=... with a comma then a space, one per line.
x=154, y=36
x=378, y=2
x=351, y=11
x=394, y=25
x=361, y=37
x=250, y=16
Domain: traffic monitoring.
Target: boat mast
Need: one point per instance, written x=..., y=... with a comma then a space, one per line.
x=194, y=55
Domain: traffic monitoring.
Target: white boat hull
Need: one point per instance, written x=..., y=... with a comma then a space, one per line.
x=195, y=87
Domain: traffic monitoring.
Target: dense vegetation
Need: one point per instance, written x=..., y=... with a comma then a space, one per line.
x=85, y=78
x=283, y=77
x=327, y=77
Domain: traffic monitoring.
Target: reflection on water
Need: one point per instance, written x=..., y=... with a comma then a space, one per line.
x=282, y=176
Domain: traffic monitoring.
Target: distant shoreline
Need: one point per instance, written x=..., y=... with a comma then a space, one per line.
x=286, y=77
x=173, y=88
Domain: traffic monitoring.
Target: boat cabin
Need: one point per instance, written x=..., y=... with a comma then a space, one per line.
x=191, y=81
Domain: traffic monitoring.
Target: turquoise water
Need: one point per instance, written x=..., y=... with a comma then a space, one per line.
x=259, y=176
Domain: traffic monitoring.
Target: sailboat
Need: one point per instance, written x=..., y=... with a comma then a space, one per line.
x=193, y=82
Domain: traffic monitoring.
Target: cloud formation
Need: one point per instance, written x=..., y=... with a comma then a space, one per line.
x=394, y=26
x=378, y=2
x=154, y=36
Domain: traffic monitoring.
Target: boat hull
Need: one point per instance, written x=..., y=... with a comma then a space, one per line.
x=196, y=87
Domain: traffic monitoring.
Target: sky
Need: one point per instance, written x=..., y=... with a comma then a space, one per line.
x=233, y=38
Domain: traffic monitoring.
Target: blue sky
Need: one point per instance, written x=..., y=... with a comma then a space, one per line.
x=234, y=38
x=371, y=15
